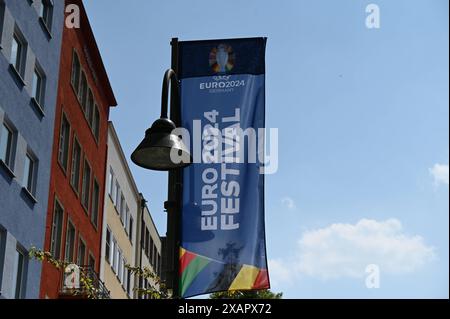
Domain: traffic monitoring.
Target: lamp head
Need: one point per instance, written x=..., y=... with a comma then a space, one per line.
x=155, y=149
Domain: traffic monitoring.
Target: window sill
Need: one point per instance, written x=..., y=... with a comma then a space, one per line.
x=93, y=225
x=86, y=211
x=31, y=196
x=38, y=106
x=75, y=92
x=46, y=29
x=7, y=169
x=117, y=211
x=64, y=170
x=77, y=194
x=110, y=197
x=17, y=75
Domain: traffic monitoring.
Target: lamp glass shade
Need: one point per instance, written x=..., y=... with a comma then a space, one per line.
x=154, y=152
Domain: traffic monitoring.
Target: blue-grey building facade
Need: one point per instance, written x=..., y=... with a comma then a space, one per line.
x=30, y=44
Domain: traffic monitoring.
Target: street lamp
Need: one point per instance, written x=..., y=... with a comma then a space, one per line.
x=154, y=152
x=159, y=141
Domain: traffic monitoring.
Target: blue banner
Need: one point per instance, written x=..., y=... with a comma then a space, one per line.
x=223, y=108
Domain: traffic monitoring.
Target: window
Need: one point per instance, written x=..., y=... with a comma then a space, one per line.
x=86, y=186
x=90, y=108
x=108, y=245
x=64, y=139
x=150, y=250
x=111, y=182
x=29, y=174
x=147, y=285
x=120, y=267
x=117, y=197
x=82, y=93
x=96, y=123
x=124, y=274
x=19, y=274
x=127, y=218
x=159, y=265
x=70, y=242
x=147, y=237
x=18, y=54
x=130, y=227
x=95, y=203
x=116, y=257
x=2, y=17
x=113, y=252
x=76, y=165
x=38, y=89
x=55, y=245
x=155, y=253
x=81, y=253
x=76, y=67
x=2, y=246
x=128, y=285
x=122, y=209
x=6, y=145
x=46, y=13
x=91, y=261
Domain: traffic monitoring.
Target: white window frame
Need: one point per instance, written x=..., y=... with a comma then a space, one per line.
x=122, y=208
x=19, y=288
x=57, y=231
x=76, y=72
x=117, y=197
x=124, y=274
x=108, y=245
x=81, y=241
x=46, y=13
x=63, y=151
x=30, y=173
x=116, y=256
x=18, y=60
x=38, y=86
x=8, y=156
x=130, y=228
x=111, y=183
x=86, y=185
x=67, y=245
x=113, y=251
x=95, y=202
x=75, y=172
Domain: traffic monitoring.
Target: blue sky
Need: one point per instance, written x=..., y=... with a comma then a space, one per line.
x=363, y=131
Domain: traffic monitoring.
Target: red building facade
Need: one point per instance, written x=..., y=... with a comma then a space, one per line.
x=77, y=181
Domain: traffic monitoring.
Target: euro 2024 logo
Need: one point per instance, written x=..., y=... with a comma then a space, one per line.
x=222, y=59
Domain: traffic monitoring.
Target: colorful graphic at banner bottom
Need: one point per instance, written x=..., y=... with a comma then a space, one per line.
x=223, y=95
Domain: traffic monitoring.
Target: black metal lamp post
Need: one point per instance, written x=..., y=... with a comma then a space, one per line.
x=154, y=153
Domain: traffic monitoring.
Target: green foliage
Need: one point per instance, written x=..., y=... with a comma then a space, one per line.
x=246, y=294
x=89, y=290
x=156, y=290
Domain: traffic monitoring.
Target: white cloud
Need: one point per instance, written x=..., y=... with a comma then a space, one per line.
x=288, y=202
x=279, y=272
x=344, y=250
x=440, y=174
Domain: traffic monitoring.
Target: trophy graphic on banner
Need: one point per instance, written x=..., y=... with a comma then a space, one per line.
x=222, y=58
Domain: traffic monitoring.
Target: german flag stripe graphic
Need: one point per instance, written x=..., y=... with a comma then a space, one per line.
x=195, y=268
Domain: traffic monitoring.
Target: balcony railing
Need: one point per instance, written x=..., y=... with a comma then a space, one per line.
x=86, y=285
